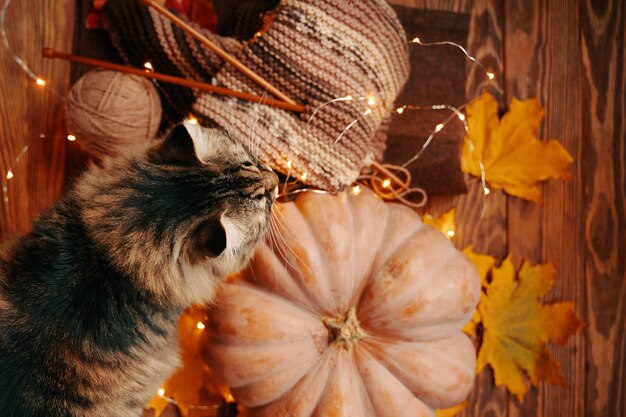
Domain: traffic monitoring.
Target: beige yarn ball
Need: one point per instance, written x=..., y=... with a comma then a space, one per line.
x=112, y=113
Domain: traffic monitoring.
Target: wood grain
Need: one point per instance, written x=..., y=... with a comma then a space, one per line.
x=542, y=62
x=28, y=111
x=580, y=80
x=603, y=124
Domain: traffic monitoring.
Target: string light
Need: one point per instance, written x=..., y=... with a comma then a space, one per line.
x=71, y=138
x=490, y=75
x=450, y=234
x=161, y=392
x=192, y=119
x=486, y=190
x=9, y=175
x=289, y=164
x=303, y=177
x=335, y=100
x=200, y=326
x=439, y=127
x=40, y=82
x=356, y=190
x=148, y=66
x=386, y=183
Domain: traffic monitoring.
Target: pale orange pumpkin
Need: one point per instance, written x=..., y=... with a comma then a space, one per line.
x=357, y=313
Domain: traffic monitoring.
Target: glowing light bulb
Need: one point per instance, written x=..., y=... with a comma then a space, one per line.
x=486, y=190
x=192, y=119
x=229, y=398
x=490, y=75
x=256, y=35
x=303, y=176
x=40, y=82
x=348, y=98
x=200, y=326
x=439, y=127
x=450, y=233
x=400, y=110
x=386, y=183
x=161, y=392
x=9, y=175
x=289, y=164
x=148, y=66
x=371, y=101
x=356, y=190
x=416, y=40
x=71, y=138
x=368, y=111
x=461, y=117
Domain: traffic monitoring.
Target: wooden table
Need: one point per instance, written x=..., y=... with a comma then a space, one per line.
x=568, y=54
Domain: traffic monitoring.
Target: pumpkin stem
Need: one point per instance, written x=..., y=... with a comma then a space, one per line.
x=344, y=331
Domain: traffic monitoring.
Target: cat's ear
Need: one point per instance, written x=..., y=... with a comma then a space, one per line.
x=177, y=148
x=207, y=240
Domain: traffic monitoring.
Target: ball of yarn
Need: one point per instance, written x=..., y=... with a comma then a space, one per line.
x=112, y=113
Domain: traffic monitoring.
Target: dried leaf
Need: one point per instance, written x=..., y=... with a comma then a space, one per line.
x=512, y=156
x=452, y=411
x=483, y=263
x=517, y=326
x=445, y=222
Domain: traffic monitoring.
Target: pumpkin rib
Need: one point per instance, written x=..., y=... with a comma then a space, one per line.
x=292, y=295
x=345, y=394
x=435, y=364
x=299, y=402
x=326, y=232
x=406, y=232
x=308, y=283
x=390, y=397
x=373, y=203
x=372, y=308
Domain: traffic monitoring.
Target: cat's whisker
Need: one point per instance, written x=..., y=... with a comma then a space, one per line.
x=283, y=241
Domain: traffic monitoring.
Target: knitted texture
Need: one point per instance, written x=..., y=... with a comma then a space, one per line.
x=314, y=51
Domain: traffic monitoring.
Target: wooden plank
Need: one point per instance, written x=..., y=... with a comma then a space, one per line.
x=28, y=111
x=542, y=62
x=603, y=114
x=457, y=6
x=481, y=220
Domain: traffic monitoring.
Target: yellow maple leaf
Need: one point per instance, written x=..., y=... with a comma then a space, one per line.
x=452, y=411
x=483, y=264
x=517, y=326
x=445, y=223
x=513, y=158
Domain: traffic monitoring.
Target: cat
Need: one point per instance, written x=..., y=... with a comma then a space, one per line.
x=90, y=298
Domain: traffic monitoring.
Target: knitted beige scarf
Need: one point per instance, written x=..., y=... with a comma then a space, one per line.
x=314, y=51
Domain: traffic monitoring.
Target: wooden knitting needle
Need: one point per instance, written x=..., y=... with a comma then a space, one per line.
x=217, y=50
x=51, y=53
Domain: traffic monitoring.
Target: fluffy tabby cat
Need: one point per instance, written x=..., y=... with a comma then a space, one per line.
x=90, y=298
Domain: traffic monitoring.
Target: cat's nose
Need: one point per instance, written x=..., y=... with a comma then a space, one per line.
x=270, y=180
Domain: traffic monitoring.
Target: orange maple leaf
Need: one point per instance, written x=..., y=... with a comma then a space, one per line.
x=517, y=325
x=191, y=384
x=513, y=158
x=452, y=411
